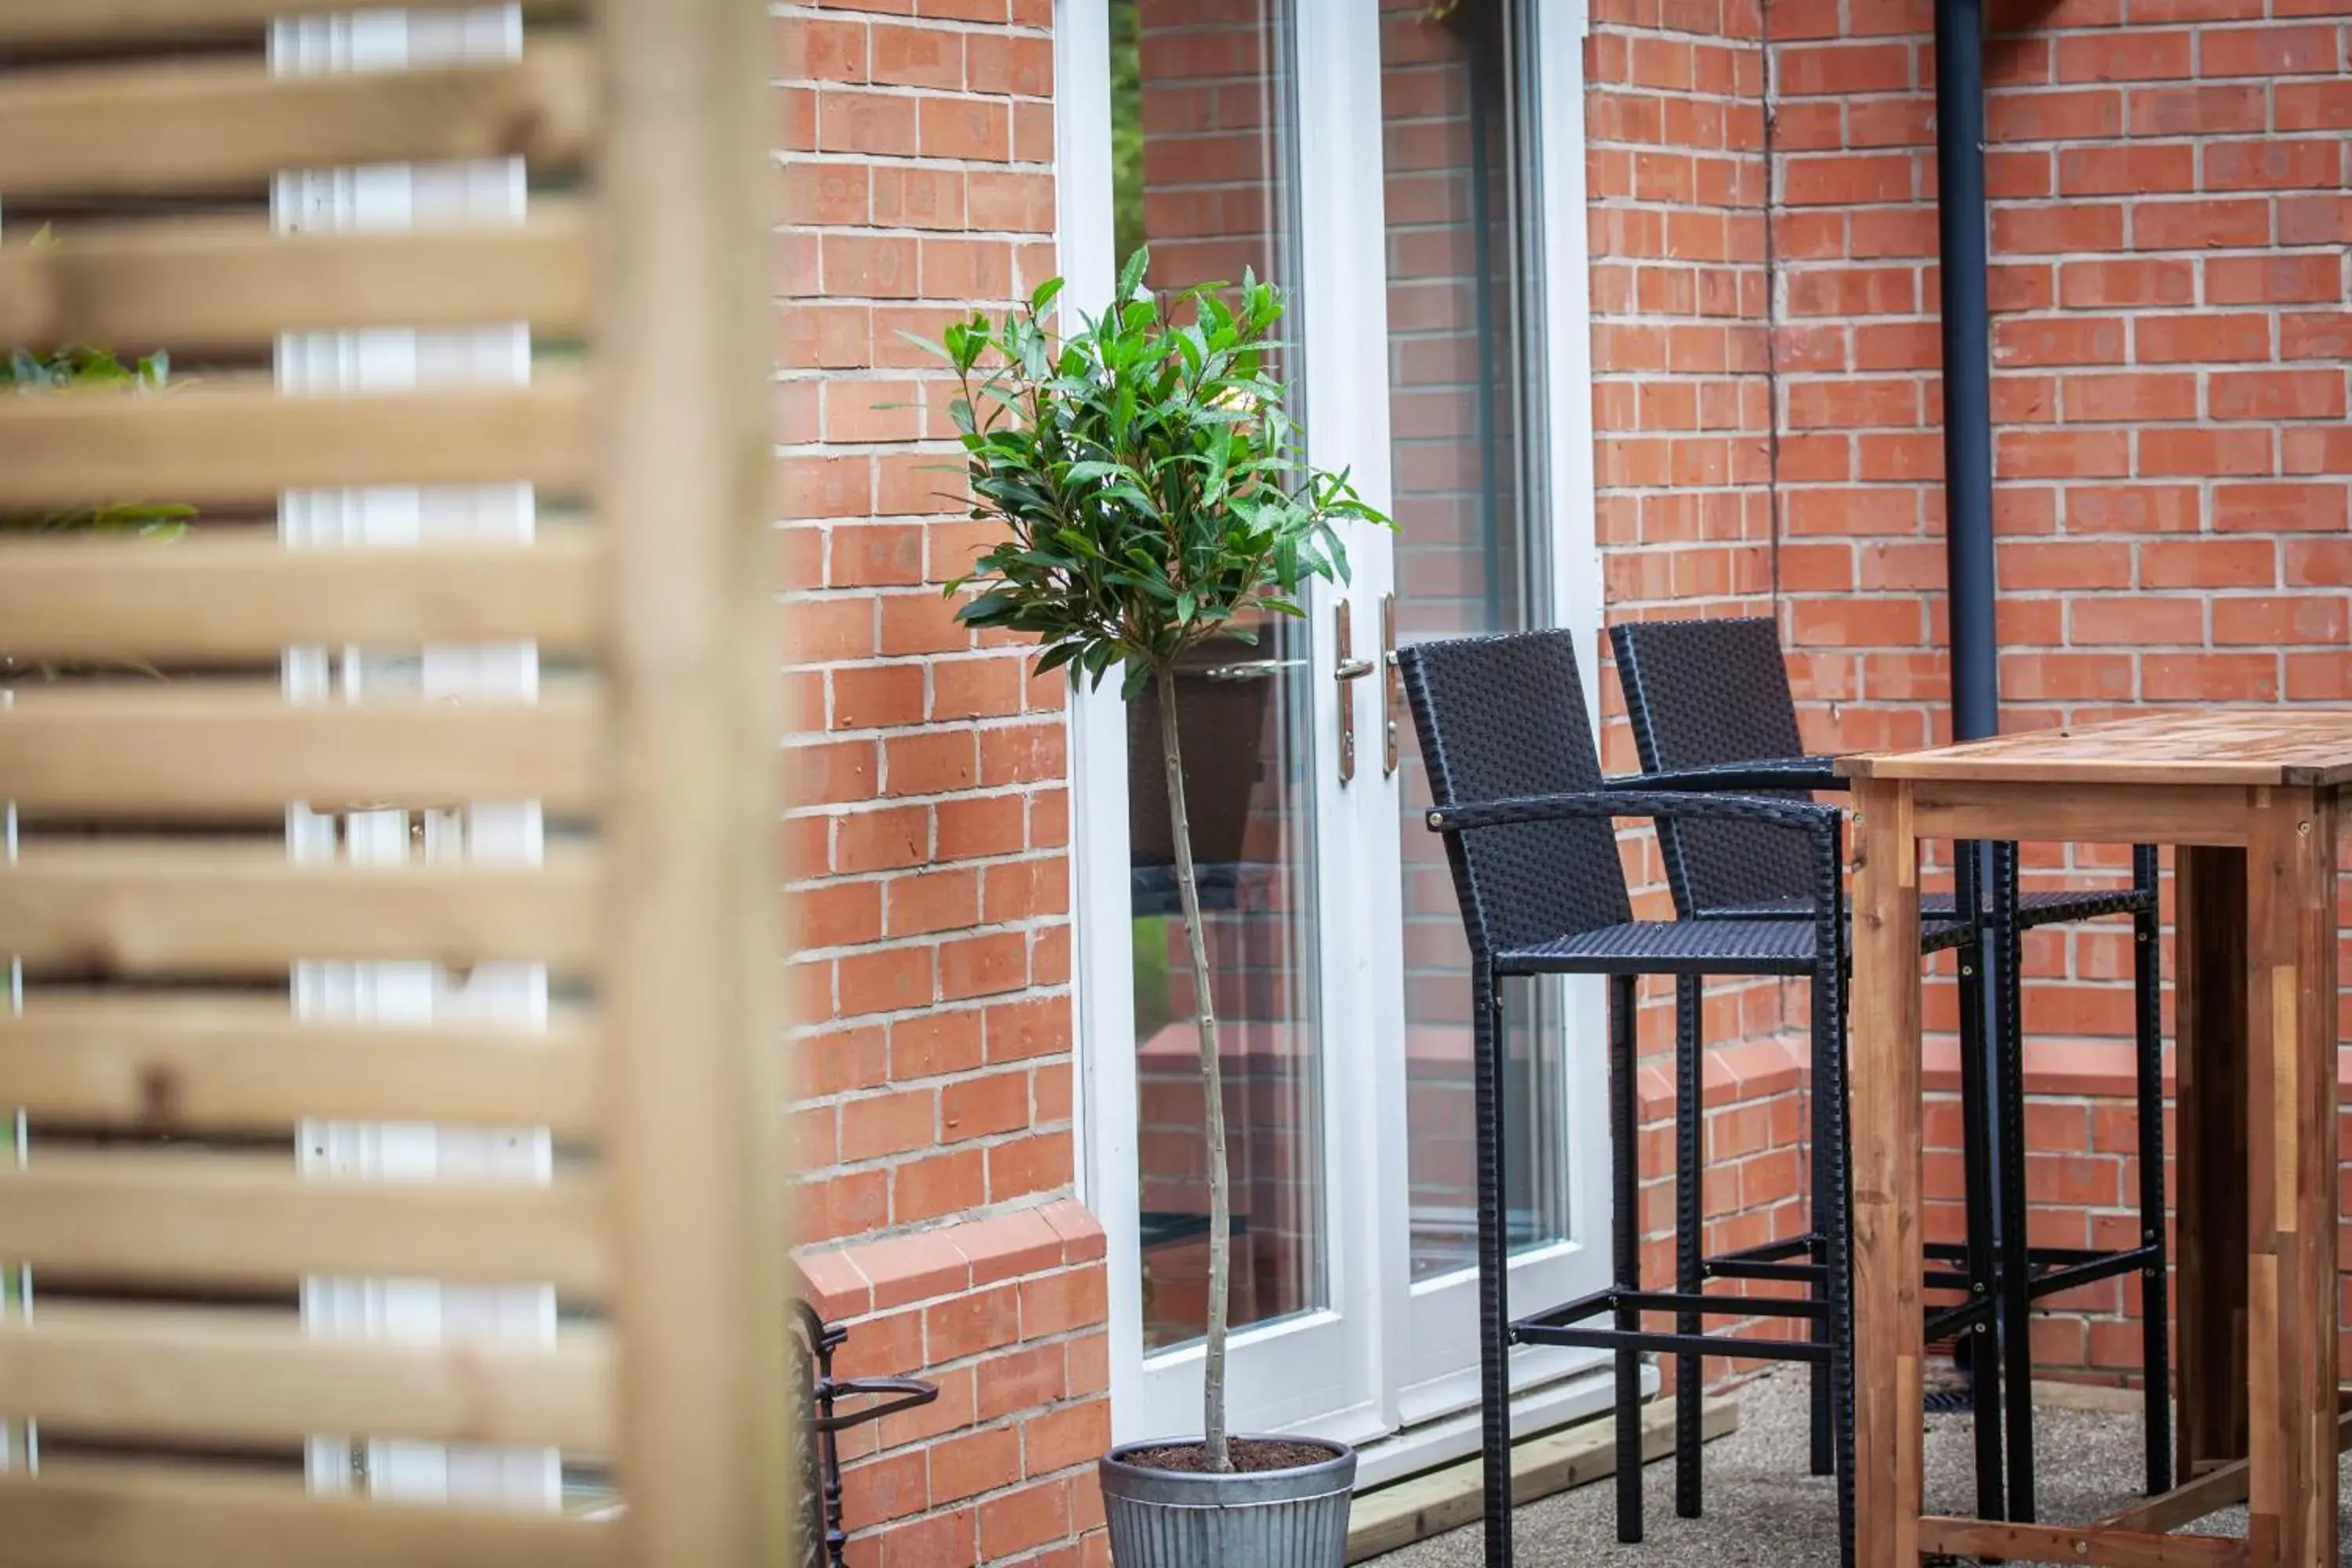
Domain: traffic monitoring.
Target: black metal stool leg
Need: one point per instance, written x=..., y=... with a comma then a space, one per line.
x=1690, y=1219
x=1625, y=1234
x=2016, y=1298
x=1489, y=1041
x=1826, y=1147
x=2156, y=1354
x=1830, y=1123
x=1978, y=1337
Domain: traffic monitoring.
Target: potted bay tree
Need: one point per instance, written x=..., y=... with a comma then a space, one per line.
x=1154, y=496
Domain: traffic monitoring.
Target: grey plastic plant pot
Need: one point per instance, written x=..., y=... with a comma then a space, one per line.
x=1271, y=1518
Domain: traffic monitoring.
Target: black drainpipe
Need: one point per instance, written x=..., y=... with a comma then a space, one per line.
x=1963, y=250
x=1967, y=366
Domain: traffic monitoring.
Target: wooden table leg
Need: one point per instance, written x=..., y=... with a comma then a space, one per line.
x=1885, y=1139
x=2210, y=1140
x=2291, y=1185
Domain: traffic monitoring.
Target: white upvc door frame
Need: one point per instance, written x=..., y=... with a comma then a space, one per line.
x=1389, y=1356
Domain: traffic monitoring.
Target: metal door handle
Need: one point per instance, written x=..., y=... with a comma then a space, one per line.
x=1353, y=669
x=1393, y=688
x=1250, y=669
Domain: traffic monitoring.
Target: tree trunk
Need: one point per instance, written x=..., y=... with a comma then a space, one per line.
x=1212, y=1371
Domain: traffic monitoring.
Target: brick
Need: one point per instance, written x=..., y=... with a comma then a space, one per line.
x=1842, y=68
x=2278, y=619
x=2312, y=106
x=2050, y=230
x=2093, y=284
x=2019, y=454
x=2130, y=398
x=1853, y=403
x=2138, y=168
x=2200, y=110
x=975, y=1107
x=1011, y=65
x=2168, y=452
x=929, y=764
x=2280, y=507
x=2133, y=508
x=937, y=1186
x=865, y=122
x=2268, y=51
x=2272, y=165
x=2206, y=336
x=906, y=56
x=977, y=129
x=1025, y=1519
x=2209, y=678
x=2136, y=55
x=2209, y=564
x=974, y=1462
x=2185, y=226
x=887, y=980
x=1072, y=1435
x=2020, y=341
x=2273, y=280
x=2275, y=394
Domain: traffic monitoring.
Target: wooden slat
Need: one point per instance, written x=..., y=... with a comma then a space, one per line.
x=2108, y=813
x=201, y=909
x=181, y=752
x=233, y=1219
x=123, y=1516
x=2192, y=1501
x=2251, y=747
x=37, y=23
x=189, y=1065
x=2074, y=1543
x=217, y=600
x=214, y=284
x=193, y=1374
x=227, y=445
x=2291, y=1176
x=198, y=126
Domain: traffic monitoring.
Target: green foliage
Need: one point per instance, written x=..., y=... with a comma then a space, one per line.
x=1151, y=486
x=92, y=368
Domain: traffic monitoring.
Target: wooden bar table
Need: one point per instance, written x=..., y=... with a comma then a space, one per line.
x=2250, y=797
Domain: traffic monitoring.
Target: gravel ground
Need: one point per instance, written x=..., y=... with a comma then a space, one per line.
x=1764, y=1508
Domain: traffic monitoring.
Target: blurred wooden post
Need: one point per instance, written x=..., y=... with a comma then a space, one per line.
x=685, y=478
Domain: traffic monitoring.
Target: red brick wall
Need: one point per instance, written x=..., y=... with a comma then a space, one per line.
x=924, y=854
x=2172, y=341
x=2170, y=348
x=1676, y=169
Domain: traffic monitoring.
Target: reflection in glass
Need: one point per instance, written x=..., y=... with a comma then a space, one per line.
x=1203, y=172
x=1462, y=265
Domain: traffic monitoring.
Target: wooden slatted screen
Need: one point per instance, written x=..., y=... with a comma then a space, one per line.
x=152, y=917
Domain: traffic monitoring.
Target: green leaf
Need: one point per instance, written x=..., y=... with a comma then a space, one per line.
x=1130, y=276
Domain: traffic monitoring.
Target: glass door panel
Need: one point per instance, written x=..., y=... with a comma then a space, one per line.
x=1459, y=245
x=1204, y=172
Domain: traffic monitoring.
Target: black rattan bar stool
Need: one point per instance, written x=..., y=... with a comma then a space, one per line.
x=1517, y=789
x=1711, y=707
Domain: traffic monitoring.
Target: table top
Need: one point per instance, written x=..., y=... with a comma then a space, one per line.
x=2293, y=747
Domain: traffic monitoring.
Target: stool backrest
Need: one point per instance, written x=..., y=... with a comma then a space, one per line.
x=1501, y=718
x=1701, y=693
